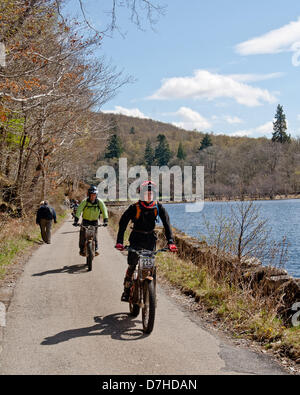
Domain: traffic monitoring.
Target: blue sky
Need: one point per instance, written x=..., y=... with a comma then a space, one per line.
x=220, y=66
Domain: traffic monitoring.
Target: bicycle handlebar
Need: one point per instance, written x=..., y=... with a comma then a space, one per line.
x=140, y=252
x=95, y=226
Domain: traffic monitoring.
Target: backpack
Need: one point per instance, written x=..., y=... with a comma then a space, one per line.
x=46, y=212
x=139, y=210
x=98, y=204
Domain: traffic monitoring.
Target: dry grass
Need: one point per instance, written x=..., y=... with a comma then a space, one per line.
x=17, y=235
x=245, y=315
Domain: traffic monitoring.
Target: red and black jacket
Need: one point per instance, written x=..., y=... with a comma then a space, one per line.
x=144, y=218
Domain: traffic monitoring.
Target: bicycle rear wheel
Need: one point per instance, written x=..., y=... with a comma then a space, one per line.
x=89, y=255
x=148, y=311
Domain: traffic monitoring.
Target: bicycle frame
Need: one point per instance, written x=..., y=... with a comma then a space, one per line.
x=89, y=245
x=146, y=262
x=90, y=233
x=145, y=270
x=143, y=290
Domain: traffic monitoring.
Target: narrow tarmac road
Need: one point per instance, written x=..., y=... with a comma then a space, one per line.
x=65, y=320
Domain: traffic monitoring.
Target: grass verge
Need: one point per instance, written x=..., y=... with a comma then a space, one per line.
x=17, y=236
x=243, y=314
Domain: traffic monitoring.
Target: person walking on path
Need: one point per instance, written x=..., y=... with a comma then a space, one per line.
x=44, y=217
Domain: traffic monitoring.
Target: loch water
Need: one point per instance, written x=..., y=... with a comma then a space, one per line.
x=283, y=220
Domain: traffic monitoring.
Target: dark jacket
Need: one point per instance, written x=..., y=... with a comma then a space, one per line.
x=143, y=235
x=45, y=212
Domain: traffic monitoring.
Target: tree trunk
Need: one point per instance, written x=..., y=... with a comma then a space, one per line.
x=44, y=182
x=7, y=166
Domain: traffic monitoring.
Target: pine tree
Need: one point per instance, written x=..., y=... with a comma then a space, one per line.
x=279, y=127
x=206, y=142
x=113, y=125
x=149, y=154
x=114, y=148
x=132, y=130
x=181, y=155
x=162, y=151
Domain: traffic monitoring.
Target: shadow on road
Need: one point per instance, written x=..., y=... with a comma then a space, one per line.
x=75, y=269
x=120, y=326
x=39, y=242
x=66, y=233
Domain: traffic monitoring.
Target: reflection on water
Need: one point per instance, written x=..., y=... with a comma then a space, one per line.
x=283, y=217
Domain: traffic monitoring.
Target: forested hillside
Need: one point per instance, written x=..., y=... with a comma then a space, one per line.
x=52, y=137
x=234, y=166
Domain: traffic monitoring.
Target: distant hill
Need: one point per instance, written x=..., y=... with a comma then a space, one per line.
x=235, y=167
x=135, y=132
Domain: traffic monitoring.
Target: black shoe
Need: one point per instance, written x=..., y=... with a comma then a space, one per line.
x=125, y=295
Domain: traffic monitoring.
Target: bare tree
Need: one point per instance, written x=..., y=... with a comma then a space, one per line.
x=47, y=92
x=245, y=233
x=140, y=11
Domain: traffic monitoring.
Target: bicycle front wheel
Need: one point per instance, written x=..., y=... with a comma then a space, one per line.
x=148, y=311
x=134, y=307
x=89, y=255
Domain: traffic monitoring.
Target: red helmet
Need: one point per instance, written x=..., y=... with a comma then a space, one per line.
x=148, y=186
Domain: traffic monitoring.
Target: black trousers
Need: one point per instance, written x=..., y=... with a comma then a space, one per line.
x=139, y=241
x=46, y=225
x=85, y=222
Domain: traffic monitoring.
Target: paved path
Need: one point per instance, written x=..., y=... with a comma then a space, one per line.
x=65, y=320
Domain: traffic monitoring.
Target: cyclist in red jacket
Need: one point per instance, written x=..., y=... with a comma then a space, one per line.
x=144, y=214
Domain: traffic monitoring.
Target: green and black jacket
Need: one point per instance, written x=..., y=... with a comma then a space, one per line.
x=91, y=211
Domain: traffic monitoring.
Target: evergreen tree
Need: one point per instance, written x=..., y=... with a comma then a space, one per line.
x=181, y=155
x=114, y=148
x=162, y=151
x=279, y=127
x=113, y=126
x=132, y=130
x=149, y=154
x=206, y=142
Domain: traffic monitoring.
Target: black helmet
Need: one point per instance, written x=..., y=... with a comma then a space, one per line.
x=92, y=189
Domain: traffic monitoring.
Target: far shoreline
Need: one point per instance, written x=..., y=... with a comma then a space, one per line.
x=213, y=200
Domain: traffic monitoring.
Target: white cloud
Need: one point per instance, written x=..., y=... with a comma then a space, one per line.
x=275, y=41
x=263, y=130
x=206, y=85
x=241, y=133
x=255, y=77
x=130, y=112
x=191, y=120
x=233, y=120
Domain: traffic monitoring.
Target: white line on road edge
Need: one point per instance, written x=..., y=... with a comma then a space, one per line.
x=2, y=314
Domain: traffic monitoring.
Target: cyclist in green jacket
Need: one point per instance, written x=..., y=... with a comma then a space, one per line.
x=91, y=209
